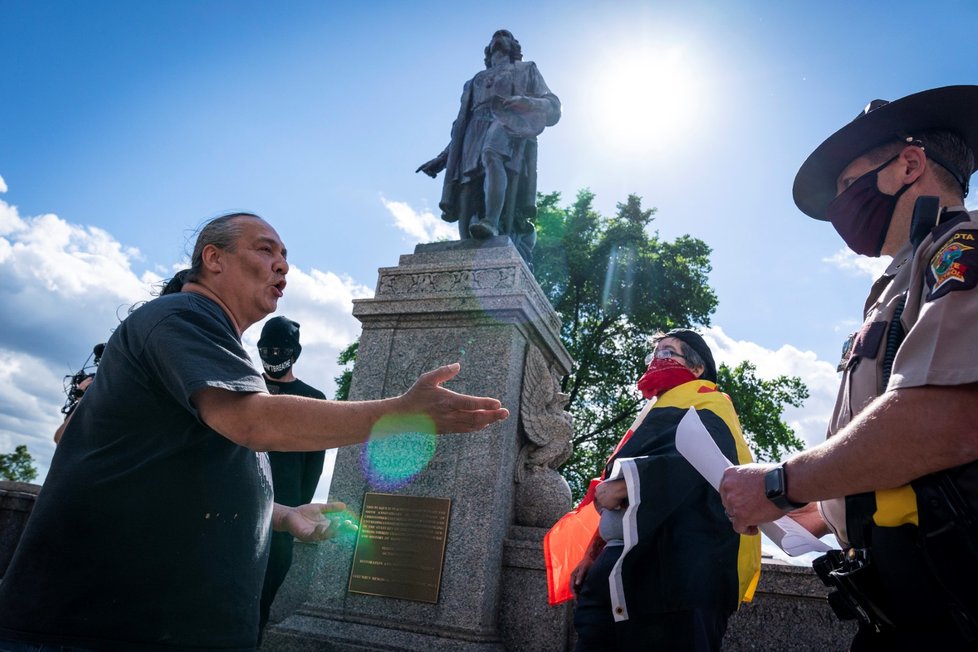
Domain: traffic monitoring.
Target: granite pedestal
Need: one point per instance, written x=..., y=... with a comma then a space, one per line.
x=790, y=612
x=473, y=302
x=16, y=502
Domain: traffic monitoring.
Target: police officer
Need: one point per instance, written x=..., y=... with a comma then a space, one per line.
x=295, y=475
x=897, y=479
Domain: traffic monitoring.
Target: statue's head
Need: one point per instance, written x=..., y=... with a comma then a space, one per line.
x=511, y=44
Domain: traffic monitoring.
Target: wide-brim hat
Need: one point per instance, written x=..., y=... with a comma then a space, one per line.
x=951, y=108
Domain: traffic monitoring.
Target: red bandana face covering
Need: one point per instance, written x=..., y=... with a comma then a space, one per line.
x=662, y=375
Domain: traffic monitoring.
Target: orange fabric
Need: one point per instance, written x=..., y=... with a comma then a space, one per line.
x=567, y=541
x=565, y=544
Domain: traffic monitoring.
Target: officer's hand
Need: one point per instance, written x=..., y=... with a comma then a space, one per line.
x=742, y=493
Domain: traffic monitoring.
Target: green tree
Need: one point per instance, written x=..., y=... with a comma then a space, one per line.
x=346, y=358
x=614, y=285
x=17, y=466
x=760, y=404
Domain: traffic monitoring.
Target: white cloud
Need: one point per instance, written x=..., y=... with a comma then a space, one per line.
x=3, y=185
x=30, y=399
x=846, y=259
x=422, y=227
x=64, y=287
x=10, y=221
x=808, y=421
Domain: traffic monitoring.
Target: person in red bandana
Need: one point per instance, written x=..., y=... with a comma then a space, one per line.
x=665, y=570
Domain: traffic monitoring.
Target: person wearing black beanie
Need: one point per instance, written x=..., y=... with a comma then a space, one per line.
x=663, y=568
x=694, y=340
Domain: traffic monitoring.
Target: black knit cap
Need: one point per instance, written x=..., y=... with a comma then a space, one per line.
x=698, y=344
x=281, y=332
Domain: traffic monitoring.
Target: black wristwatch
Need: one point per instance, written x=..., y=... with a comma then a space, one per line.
x=776, y=489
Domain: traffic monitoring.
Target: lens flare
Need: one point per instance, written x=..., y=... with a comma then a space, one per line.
x=616, y=295
x=347, y=522
x=399, y=448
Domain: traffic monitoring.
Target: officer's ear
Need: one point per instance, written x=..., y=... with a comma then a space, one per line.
x=697, y=370
x=912, y=160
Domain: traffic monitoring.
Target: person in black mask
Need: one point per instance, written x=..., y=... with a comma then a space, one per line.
x=295, y=475
x=897, y=479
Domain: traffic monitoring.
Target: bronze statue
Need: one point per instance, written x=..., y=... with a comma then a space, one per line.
x=491, y=161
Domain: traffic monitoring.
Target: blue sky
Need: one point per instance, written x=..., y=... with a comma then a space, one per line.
x=124, y=125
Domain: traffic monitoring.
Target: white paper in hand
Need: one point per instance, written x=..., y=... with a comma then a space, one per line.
x=693, y=441
x=791, y=537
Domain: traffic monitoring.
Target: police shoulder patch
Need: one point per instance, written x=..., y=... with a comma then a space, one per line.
x=955, y=265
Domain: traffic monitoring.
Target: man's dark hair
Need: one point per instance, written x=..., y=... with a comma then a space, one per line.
x=951, y=151
x=945, y=148
x=222, y=232
x=516, y=54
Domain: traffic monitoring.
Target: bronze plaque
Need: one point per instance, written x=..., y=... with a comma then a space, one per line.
x=400, y=547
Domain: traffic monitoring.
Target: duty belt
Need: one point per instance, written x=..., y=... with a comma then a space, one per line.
x=947, y=539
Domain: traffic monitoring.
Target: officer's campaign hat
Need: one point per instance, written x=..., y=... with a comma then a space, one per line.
x=951, y=108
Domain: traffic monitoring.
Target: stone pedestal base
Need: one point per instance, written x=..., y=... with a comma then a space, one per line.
x=315, y=633
x=473, y=302
x=789, y=612
x=16, y=502
x=527, y=622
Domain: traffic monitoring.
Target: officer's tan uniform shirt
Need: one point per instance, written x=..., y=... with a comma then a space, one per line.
x=940, y=319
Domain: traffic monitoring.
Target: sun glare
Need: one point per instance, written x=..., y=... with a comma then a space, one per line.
x=648, y=98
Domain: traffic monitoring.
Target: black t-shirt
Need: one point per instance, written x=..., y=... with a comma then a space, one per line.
x=295, y=475
x=151, y=530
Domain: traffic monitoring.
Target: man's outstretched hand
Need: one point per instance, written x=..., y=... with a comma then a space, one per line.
x=449, y=411
x=315, y=521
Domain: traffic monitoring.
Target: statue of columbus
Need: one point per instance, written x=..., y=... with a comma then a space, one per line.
x=491, y=161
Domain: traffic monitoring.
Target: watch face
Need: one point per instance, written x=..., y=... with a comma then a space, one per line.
x=773, y=484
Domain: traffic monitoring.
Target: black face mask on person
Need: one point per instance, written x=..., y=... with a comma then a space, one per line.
x=862, y=213
x=276, y=361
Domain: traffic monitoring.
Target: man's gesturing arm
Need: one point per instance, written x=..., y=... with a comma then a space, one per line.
x=295, y=423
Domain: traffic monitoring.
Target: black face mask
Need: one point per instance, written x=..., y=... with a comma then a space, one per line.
x=862, y=213
x=276, y=361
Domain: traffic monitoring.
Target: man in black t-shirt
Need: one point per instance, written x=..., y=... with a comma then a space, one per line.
x=151, y=531
x=294, y=475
